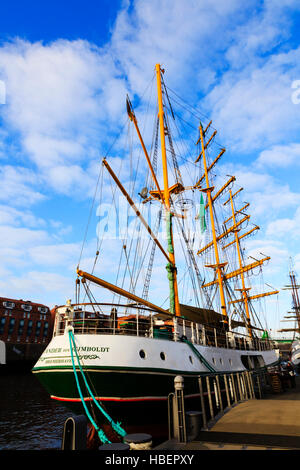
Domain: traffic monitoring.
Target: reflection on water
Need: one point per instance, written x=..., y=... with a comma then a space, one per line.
x=29, y=419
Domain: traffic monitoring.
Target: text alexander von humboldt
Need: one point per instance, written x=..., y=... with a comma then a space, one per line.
x=84, y=352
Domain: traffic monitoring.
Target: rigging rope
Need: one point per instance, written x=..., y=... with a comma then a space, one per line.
x=115, y=425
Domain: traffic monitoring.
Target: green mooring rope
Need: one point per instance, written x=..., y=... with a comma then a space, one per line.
x=116, y=426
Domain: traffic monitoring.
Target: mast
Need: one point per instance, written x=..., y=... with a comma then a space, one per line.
x=244, y=288
x=171, y=267
x=296, y=302
x=295, y=297
x=217, y=266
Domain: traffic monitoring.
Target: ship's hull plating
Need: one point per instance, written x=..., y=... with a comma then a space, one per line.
x=133, y=376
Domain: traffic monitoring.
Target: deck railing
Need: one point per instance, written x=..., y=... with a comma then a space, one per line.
x=134, y=321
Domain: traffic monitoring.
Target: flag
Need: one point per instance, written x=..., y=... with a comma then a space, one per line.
x=201, y=216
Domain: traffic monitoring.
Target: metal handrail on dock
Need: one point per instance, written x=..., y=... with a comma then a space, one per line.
x=218, y=393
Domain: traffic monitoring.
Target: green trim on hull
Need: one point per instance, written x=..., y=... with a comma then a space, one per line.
x=120, y=383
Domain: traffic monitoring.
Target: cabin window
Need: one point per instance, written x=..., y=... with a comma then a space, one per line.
x=142, y=354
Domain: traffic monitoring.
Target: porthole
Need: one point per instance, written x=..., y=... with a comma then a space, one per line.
x=230, y=362
x=221, y=360
x=142, y=354
x=191, y=359
x=162, y=356
x=213, y=359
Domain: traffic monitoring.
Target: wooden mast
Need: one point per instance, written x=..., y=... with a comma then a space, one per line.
x=172, y=266
x=244, y=289
x=132, y=117
x=120, y=291
x=217, y=266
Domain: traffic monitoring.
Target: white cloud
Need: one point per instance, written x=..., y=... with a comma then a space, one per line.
x=287, y=227
x=280, y=156
x=11, y=216
x=20, y=186
x=41, y=286
x=63, y=254
x=268, y=196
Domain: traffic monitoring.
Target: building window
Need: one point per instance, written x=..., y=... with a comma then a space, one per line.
x=46, y=329
x=29, y=328
x=21, y=327
x=26, y=307
x=43, y=309
x=2, y=325
x=38, y=328
x=11, y=325
x=8, y=304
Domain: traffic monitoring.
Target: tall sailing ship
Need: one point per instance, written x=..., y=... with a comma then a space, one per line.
x=295, y=318
x=125, y=353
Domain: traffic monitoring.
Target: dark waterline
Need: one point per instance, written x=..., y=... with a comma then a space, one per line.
x=29, y=419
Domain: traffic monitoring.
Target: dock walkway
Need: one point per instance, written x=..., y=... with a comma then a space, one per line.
x=272, y=422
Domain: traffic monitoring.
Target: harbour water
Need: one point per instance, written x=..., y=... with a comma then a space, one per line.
x=29, y=419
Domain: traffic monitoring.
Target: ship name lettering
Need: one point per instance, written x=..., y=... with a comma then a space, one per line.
x=92, y=349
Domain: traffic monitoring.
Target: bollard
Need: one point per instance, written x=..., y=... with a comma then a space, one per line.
x=75, y=433
x=194, y=423
x=138, y=441
x=115, y=446
x=178, y=410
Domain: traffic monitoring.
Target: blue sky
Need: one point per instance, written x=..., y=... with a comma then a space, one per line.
x=67, y=67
